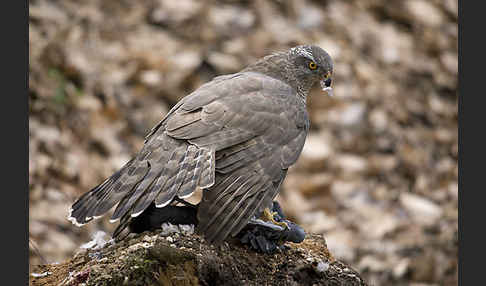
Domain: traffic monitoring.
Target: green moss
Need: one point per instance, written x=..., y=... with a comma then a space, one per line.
x=138, y=269
x=60, y=95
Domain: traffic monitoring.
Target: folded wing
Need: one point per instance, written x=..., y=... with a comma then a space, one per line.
x=234, y=137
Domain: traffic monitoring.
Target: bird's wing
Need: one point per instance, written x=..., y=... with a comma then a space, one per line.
x=257, y=131
x=235, y=136
x=156, y=173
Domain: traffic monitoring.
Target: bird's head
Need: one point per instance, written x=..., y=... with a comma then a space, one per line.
x=301, y=67
x=310, y=64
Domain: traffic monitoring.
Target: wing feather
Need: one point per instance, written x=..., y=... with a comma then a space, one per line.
x=234, y=137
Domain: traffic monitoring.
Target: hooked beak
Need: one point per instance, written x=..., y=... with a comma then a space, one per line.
x=326, y=86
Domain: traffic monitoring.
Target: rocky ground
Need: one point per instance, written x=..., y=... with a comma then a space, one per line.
x=378, y=174
x=174, y=258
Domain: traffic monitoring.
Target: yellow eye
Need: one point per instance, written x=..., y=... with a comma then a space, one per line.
x=327, y=75
x=312, y=65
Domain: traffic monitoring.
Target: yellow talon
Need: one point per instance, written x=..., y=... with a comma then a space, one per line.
x=268, y=216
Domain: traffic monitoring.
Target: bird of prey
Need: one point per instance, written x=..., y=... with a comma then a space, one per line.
x=235, y=137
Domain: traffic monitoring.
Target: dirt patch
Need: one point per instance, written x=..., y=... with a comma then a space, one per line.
x=177, y=259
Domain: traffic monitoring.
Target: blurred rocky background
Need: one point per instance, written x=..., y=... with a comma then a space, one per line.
x=378, y=175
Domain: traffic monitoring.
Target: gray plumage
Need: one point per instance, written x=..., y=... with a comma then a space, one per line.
x=234, y=136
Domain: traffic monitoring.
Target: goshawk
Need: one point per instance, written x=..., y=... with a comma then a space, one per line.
x=235, y=137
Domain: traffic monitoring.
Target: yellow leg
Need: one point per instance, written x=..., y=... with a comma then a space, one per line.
x=268, y=216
